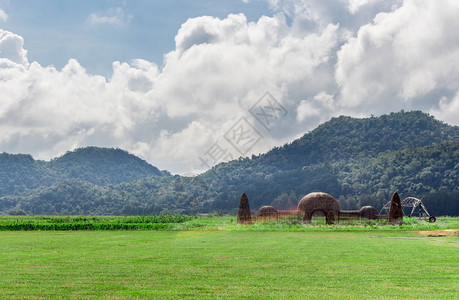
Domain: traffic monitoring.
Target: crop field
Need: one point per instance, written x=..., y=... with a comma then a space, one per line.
x=211, y=257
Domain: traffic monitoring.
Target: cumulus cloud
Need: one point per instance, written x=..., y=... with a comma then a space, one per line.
x=11, y=48
x=48, y=110
x=114, y=16
x=448, y=109
x=354, y=5
x=350, y=14
x=403, y=59
x=319, y=107
x=314, y=61
x=3, y=15
x=219, y=69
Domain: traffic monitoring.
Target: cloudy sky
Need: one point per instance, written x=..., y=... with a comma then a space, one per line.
x=186, y=84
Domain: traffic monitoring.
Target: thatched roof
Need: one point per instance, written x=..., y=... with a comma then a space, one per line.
x=266, y=211
x=368, y=212
x=318, y=201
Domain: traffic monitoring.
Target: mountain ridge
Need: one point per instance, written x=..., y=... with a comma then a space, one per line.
x=359, y=161
x=419, y=127
x=101, y=166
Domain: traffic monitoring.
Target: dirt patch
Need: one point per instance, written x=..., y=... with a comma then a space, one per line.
x=446, y=232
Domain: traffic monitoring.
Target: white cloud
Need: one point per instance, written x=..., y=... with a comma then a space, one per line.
x=3, y=15
x=11, y=48
x=354, y=5
x=319, y=108
x=402, y=58
x=448, y=109
x=350, y=14
x=406, y=58
x=115, y=16
x=220, y=67
x=306, y=109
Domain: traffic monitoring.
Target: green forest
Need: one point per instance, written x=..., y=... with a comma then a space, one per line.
x=358, y=161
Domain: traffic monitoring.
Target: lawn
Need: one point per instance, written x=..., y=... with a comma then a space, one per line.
x=364, y=264
x=211, y=222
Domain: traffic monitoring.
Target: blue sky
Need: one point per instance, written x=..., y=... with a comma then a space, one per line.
x=55, y=31
x=174, y=81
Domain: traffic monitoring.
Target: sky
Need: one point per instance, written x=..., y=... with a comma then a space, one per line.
x=188, y=84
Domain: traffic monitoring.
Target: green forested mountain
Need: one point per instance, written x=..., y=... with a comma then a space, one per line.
x=345, y=138
x=358, y=161
x=21, y=173
x=102, y=166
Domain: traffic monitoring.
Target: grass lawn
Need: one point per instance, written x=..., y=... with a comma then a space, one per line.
x=228, y=264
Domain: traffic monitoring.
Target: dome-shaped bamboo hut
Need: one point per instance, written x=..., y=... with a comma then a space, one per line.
x=318, y=202
x=267, y=211
x=368, y=212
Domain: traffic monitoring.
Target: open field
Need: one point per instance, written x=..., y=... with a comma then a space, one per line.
x=364, y=264
x=210, y=222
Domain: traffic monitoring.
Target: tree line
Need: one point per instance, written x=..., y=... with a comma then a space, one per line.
x=358, y=161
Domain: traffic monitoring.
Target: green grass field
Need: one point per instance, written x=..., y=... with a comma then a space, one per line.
x=210, y=222
x=233, y=262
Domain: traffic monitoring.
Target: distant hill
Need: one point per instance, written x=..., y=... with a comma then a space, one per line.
x=102, y=166
x=335, y=157
x=353, y=138
x=358, y=161
x=20, y=172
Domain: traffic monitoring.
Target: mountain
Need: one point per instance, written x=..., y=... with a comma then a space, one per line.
x=20, y=173
x=102, y=166
x=358, y=161
x=332, y=158
x=352, y=138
